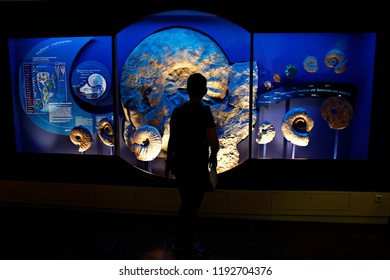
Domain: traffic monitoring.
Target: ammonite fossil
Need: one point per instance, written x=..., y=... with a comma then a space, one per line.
x=277, y=78
x=337, y=60
x=81, y=136
x=146, y=143
x=310, y=64
x=337, y=111
x=266, y=133
x=267, y=85
x=296, y=126
x=290, y=71
x=106, y=131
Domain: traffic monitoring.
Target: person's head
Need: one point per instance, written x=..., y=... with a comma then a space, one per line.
x=196, y=86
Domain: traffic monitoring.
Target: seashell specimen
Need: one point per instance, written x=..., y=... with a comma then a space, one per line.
x=266, y=133
x=267, y=85
x=106, y=131
x=337, y=111
x=296, y=126
x=146, y=143
x=81, y=136
x=337, y=60
x=290, y=71
x=277, y=78
x=310, y=64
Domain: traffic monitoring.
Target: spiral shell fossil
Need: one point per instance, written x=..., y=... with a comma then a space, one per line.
x=337, y=60
x=267, y=85
x=266, y=133
x=290, y=71
x=296, y=126
x=310, y=64
x=277, y=78
x=337, y=111
x=81, y=136
x=146, y=143
x=106, y=131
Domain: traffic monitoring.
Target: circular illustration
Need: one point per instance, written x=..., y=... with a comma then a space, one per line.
x=94, y=88
x=90, y=81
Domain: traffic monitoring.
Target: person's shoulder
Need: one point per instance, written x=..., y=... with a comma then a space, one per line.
x=201, y=107
x=179, y=110
x=203, y=104
x=205, y=107
x=179, y=107
x=191, y=106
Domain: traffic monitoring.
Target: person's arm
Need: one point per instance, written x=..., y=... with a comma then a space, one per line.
x=214, y=145
x=169, y=165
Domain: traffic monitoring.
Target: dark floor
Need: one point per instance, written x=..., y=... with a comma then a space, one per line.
x=36, y=233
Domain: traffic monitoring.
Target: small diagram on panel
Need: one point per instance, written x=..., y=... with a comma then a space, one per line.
x=45, y=86
x=90, y=81
x=94, y=87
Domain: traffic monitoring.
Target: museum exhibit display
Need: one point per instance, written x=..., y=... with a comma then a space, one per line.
x=62, y=92
x=300, y=103
x=155, y=57
x=315, y=95
x=288, y=101
x=301, y=96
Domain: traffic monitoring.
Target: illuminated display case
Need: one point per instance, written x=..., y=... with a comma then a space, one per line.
x=63, y=94
x=310, y=96
x=273, y=95
x=155, y=57
x=315, y=95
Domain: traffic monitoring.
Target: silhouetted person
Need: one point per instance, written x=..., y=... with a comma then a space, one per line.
x=193, y=144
